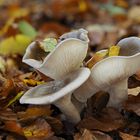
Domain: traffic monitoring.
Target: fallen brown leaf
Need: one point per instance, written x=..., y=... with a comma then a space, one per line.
x=34, y=112
x=91, y=135
x=39, y=129
x=133, y=104
x=13, y=126
x=55, y=124
x=110, y=119
x=7, y=115
x=85, y=135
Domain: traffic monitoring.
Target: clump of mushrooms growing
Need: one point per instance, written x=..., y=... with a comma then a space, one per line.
x=62, y=65
x=111, y=74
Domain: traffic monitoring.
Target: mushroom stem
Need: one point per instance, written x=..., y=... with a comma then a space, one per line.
x=68, y=108
x=84, y=92
x=118, y=93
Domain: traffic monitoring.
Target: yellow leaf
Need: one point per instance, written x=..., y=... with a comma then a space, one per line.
x=114, y=51
x=19, y=12
x=15, y=44
x=122, y=3
x=82, y=6
x=15, y=98
x=98, y=56
x=32, y=82
x=16, y=13
x=39, y=128
x=28, y=133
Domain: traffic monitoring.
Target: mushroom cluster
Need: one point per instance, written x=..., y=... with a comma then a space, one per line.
x=73, y=83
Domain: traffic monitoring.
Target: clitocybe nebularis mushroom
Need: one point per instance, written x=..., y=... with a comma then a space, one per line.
x=66, y=57
x=58, y=92
x=111, y=74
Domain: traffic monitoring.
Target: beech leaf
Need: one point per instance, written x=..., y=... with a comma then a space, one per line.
x=48, y=44
x=114, y=50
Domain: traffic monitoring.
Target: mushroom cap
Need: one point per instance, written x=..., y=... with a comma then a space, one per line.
x=129, y=46
x=50, y=92
x=66, y=57
x=116, y=68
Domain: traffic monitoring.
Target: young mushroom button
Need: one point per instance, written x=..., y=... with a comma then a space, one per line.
x=58, y=93
x=111, y=74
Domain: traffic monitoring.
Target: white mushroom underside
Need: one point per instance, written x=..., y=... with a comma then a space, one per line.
x=50, y=92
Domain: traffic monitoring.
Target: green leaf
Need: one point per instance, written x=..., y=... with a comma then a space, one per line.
x=15, y=98
x=17, y=44
x=49, y=44
x=27, y=29
x=112, y=9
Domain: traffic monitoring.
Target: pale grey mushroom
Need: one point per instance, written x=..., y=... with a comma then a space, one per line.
x=111, y=74
x=58, y=93
x=66, y=57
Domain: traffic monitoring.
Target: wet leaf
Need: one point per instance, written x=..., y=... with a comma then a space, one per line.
x=27, y=29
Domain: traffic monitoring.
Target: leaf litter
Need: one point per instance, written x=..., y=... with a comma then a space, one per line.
x=107, y=22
